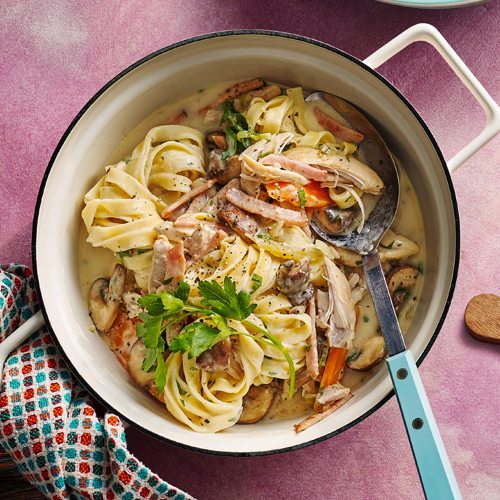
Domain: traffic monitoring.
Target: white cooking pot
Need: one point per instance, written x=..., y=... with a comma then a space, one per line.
x=199, y=62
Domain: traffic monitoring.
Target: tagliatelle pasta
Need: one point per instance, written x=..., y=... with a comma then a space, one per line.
x=228, y=298
x=210, y=402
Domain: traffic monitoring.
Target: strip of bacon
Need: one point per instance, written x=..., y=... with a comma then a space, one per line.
x=337, y=129
x=255, y=206
x=186, y=197
x=317, y=417
x=234, y=92
x=207, y=247
x=296, y=166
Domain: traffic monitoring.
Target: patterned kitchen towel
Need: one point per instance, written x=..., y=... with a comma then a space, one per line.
x=48, y=424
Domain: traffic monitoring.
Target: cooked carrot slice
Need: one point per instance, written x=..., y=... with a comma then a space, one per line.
x=334, y=365
x=313, y=194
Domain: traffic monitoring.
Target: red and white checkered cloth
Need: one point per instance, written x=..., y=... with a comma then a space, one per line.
x=48, y=424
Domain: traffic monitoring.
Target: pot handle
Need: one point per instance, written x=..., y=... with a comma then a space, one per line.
x=16, y=338
x=427, y=33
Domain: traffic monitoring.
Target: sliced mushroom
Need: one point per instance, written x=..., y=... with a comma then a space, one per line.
x=256, y=403
x=401, y=282
x=372, y=352
x=217, y=358
x=335, y=220
x=223, y=170
x=293, y=277
x=137, y=357
x=104, y=298
x=217, y=140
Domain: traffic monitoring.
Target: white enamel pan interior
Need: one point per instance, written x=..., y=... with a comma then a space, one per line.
x=171, y=73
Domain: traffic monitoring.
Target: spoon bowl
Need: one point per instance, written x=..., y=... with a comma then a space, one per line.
x=372, y=151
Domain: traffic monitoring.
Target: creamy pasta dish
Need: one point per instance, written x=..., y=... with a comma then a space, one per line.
x=218, y=297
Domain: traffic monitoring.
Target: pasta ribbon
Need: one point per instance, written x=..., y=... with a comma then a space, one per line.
x=210, y=402
x=121, y=210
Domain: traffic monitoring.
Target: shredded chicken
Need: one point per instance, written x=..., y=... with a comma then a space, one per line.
x=312, y=362
x=347, y=167
x=333, y=393
x=340, y=328
x=161, y=247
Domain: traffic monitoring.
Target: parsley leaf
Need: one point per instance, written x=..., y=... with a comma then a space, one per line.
x=231, y=144
x=120, y=255
x=152, y=302
x=196, y=338
x=149, y=360
x=225, y=300
x=182, y=291
x=171, y=304
x=302, y=196
x=150, y=331
x=160, y=373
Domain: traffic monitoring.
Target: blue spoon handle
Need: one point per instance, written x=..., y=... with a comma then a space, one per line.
x=430, y=455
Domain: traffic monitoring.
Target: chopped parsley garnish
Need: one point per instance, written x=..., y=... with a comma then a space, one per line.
x=120, y=255
x=420, y=268
x=182, y=392
x=220, y=303
x=264, y=237
x=353, y=354
x=302, y=196
x=390, y=244
x=366, y=318
x=237, y=123
x=131, y=253
x=359, y=262
x=257, y=282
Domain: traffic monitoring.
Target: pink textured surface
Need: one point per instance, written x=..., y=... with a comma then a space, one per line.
x=56, y=55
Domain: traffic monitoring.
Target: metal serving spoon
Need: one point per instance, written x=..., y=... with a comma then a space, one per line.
x=433, y=465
